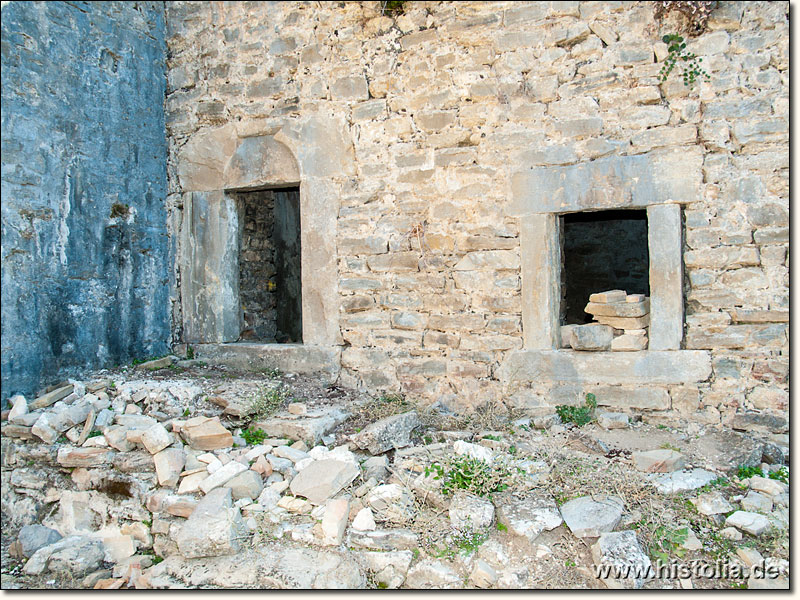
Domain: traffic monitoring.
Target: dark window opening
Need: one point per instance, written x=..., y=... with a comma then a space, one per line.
x=604, y=250
x=269, y=266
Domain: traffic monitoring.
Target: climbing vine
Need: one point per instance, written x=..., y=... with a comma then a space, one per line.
x=690, y=62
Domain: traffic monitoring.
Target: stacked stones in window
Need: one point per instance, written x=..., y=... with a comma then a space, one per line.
x=622, y=323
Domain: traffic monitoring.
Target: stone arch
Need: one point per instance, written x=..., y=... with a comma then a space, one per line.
x=314, y=153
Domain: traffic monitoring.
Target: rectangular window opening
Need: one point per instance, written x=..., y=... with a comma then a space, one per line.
x=601, y=251
x=270, y=290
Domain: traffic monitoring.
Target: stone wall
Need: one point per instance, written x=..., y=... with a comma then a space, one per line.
x=85, y=247
x=446, y=109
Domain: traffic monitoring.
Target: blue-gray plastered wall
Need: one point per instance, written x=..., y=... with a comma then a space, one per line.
x=84, y=241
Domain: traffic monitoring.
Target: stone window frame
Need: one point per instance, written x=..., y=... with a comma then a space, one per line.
x=659, y=182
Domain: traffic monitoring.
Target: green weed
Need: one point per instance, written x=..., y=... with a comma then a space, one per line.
x=580, y=415
x=253, y=437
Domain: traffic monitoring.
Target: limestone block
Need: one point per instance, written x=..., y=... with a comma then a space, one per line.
x=203, y=433
x=625, y=322
x=629, y=343
x=169, y=464
x=334, y=522
x=711, y=503
x=214, y=528
x=51, y=398
x=752, y=523
x=386, y=434
x=621, y=550
x=201, y=161
x=469, y=512
x=623, y=308
x=658, y=461
x=156, y=438
x=589, y=517
x=84, y=457
x=323, y=479
x=529, y=516
x=222, y=476
x=591, y=337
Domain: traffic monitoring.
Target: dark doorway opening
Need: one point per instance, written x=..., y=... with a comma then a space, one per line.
x=270, y=289
x=601, y=251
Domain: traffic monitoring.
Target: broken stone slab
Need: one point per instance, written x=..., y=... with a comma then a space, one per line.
x=88, y=425
x=591, y=337
x=85, y=457
x=530, y=515
x=388, y=569
x=214, y=528
x=469, y=512
x=376, y=467
x=691, y=542
x=613, y=420
x=117, y=438
x=620, y=550
x=752, y=523
x=75, y=554
x=731, y=533
x=658, y=461
x=179, y=506
x=711, y=503
x=118, y=547
x=44, y=430
x=29, y=419
x=755, y=502
x=51, y=398
x=17, y=431
x=323, y=479
x=19, y=407
x=310, y=427
x=154, y=365
x=618, y=309
x=589, y=517
x=388, y=433
x=432, y=574
x=204, y=433
x=221, y=476
x=364, y=520
x=624, y=322
x=290, y=453
x=772, y=487
x=33, y=537
x=474, y=451
x=334, y=522
x=247, y=484
x=682, y=481
x=483, y=575
x=609, y=296
x=169, y=465
x=383, y=539
x=629, y=343
x=392, y=503
x=156, y=438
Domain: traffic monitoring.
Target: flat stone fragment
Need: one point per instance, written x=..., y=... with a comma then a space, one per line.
x=473, y=451
x=752, y=523
x=712, y=503
x=682, y=481
x=76, y=554
x=772, y=487
x=334, y=522
x=156, y=438
x=620, y=550
x=592, y=337
x=388, y=433
x=221, y=476
x=214, y=528
x=153, y=365
x=624, y=322
x=635, y=298
x=384, y=539
x=33, y=537
x=658, y=461
x=19, y=407
x=169, y=465
x=51, y=398
x=431, y=574
x=469, y=512
x=290, y=453
x=755, y=502
x=483, y=575
x=364, y=520
x=323, y=479
x=388, y=569
x=85, y=457
x=618, y=309
x=731, y=533
x=629, y=343
x=190, y=483
x=587, y=517
x=529, y=516
x=608, y=297
x=392, y=502
x=247, y=484
x=310, y=427
x=203, y=433
x=118, y=547
x=612, y=420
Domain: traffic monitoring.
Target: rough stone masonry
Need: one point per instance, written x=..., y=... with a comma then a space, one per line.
x=436, y=152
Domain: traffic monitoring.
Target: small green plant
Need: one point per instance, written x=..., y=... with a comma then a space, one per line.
x=668, y=446
x=393, y=7
x=186, y=412
x=253, y=437
x=427, y=439
x=273, y=373
x=580, y=415
x=501, y=527
x=690, y=62
x=471, y=474
x=495, y=438
x=94, y=433
x=189, y=353
x=660, y=426
x=667, y=542
x=781, y=474
x=745, y=472
x=266, y=401
x=512, y=449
